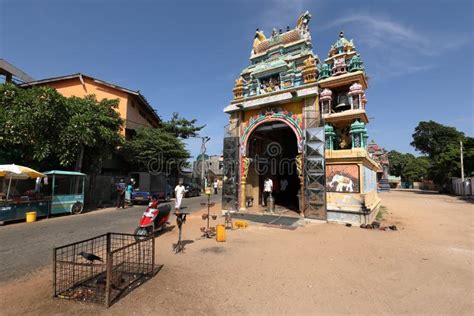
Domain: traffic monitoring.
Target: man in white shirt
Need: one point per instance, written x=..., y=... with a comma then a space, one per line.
x=179, y=193
x=216, y=186
x=267, y=189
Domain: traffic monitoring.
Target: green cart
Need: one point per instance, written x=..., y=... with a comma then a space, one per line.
x=67, y=191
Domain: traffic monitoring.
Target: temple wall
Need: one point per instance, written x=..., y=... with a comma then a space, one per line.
x=294, y=107
x=351, y=184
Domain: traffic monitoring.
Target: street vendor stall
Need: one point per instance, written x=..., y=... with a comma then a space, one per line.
x=20, y=193
x=67, y=191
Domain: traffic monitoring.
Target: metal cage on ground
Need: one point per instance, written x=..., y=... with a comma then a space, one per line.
x=118, y=264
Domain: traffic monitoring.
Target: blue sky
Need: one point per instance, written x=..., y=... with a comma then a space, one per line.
x=185, y=55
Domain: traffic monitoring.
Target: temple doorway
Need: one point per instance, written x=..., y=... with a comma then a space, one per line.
x=272, y=149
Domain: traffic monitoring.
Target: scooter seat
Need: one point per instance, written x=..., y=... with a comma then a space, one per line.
x=164, y=208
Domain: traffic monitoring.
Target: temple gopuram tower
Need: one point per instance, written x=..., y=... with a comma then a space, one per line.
x=351, y=173
x=300, y=123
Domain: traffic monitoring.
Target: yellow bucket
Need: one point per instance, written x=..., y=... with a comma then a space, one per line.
x=220, y=232
x=31, y=217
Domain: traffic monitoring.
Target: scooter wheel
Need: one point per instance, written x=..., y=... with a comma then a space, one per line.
x=141, y=233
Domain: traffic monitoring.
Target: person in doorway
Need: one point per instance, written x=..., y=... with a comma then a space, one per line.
x=120, y=187
x=283, y=188
x=216, y=186
x=283, y=185
x=267, y=190
x=179, y=191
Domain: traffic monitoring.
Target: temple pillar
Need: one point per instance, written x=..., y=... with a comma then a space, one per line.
x=299, y=169
x=243, y=182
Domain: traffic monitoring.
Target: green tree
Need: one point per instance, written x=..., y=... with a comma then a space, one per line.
x=154, y=149
x=181, y=127
x=408, y=167
x=41, y=128
x=416, y=168
x=397, y=162
x=93, y=130
x=442, y=145
x=431, y=138
x=30, y=123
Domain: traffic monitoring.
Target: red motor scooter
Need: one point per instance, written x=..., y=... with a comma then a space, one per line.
x=153, y=219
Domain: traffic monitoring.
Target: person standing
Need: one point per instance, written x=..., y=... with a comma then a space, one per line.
x=267, y=189
x=120, y=187
x=179, y=191
x=283, y=187
x=128, y=193
x=216, y=186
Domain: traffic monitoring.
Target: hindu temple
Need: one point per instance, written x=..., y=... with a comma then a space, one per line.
x=300, y=121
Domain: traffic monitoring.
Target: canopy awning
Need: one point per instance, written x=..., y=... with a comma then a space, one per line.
x=62, y=172
x=19, y=172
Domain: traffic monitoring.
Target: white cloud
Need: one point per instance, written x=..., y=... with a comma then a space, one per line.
x=380, y=31
x=394, y=48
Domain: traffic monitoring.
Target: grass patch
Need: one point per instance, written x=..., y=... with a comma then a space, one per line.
x=382, y=212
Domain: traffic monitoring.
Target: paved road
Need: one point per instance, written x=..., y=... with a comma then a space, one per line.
x=26, y=247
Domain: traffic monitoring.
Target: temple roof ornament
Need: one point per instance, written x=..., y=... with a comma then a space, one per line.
x=309, y=70
x=258, y=38
x=239, y=88
x=342, y=45
x=326, y=94
x=261, y=44
x=339, y=67
x=357, y=126
x=324, y=71
x=356, y=88
x=303, y=24
x=355, y=63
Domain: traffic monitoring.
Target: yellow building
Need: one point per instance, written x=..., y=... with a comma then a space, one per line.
x=134, y=109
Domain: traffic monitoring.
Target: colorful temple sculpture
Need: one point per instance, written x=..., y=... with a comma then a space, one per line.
x=380, y=155
x=300, y=122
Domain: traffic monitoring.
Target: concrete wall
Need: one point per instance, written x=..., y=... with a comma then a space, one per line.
x=136, y=115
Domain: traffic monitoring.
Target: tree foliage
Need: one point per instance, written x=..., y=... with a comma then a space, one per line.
x=154, y=150
x=181, y=127
x=93, y=126
x=431, y=138
x=31, y=121
x=41, y=128
x=408, y=167
x=442, y=145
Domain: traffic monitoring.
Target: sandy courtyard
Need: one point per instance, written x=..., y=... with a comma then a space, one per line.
x=424, y=268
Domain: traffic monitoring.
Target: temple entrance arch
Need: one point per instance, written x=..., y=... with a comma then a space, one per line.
x=272, y=148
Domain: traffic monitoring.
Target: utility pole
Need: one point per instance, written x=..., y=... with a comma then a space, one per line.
x=204, y=139
x=462, y=170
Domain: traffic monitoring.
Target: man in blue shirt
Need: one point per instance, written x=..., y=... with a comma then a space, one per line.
x=120, y=187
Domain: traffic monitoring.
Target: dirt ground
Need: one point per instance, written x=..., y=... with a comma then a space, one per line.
x=424, y=268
